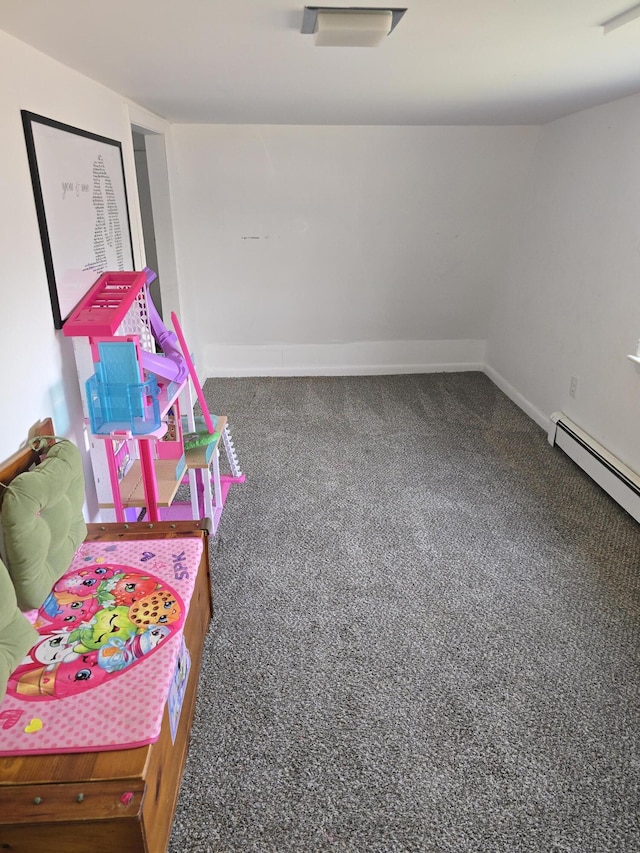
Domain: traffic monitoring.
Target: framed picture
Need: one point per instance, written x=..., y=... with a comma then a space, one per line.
x=81, y=203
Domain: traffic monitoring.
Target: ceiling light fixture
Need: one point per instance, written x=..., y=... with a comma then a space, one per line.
x=349, y=26
x=621, y=19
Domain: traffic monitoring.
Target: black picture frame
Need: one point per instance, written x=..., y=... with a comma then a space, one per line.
x=81, y=201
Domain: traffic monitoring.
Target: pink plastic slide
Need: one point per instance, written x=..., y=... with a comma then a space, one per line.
x=172, y=364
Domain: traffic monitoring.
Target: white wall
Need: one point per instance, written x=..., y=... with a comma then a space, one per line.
x=38, y=375
x=336, y=249
x=571, y=299
x=343, y=249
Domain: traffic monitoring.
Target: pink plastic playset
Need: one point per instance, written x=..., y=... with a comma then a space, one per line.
x=133, y=402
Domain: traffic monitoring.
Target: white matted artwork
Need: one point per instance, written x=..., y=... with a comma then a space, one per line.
x=81, y=202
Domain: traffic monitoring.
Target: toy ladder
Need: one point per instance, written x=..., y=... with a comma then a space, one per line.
x=232, y=456
x=219, y=483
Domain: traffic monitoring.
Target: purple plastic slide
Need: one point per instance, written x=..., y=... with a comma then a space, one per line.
x=171, y=365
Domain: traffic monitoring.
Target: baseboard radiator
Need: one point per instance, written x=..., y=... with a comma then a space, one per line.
x=619, y=481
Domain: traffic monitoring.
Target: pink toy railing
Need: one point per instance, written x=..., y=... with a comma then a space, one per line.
x=105, y=306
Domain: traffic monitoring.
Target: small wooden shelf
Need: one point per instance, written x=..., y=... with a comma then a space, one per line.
x=132, y=485
x=200, y=457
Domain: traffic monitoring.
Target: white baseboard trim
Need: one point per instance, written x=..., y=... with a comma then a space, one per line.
x=349, y=370
x=362, y=359
x=535, y=414
x=353, y=359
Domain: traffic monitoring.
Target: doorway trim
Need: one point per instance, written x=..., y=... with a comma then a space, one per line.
x=155, y=131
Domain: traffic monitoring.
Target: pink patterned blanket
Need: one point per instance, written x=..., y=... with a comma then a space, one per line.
x=110, y=648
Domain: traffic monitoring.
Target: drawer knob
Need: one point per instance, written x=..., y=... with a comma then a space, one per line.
x=37, y=801
x=80, y=798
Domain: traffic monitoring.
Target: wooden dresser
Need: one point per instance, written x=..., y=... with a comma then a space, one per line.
x=120, y=801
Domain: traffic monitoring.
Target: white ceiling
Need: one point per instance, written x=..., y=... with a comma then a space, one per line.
x=245, y=61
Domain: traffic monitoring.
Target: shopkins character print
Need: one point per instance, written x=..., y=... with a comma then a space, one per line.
x=66, y=610
x=118, y=654
x=97, y=622
x=84, y=581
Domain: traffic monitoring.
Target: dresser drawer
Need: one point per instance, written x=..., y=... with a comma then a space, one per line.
x=77, y=801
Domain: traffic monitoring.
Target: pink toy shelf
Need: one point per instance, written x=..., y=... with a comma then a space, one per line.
x=105, y=306
x=133, y=401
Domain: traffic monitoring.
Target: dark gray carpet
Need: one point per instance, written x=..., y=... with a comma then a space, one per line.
x=426, y=631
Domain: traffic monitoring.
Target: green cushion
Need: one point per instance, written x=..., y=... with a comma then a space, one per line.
x=17, y=634
x=42, y=523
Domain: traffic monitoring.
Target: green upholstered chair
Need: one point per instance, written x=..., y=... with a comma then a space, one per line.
x=43, y=524
x=17, y=634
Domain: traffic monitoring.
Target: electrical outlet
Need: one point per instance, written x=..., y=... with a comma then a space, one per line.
x=573, y=386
